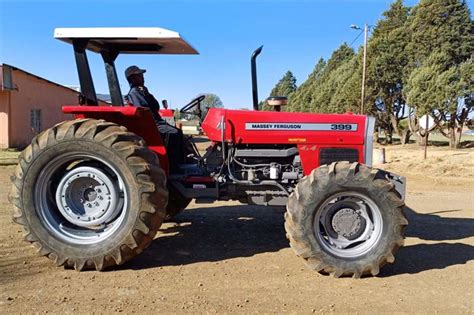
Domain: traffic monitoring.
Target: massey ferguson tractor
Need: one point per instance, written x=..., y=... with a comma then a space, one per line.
x=92, y=192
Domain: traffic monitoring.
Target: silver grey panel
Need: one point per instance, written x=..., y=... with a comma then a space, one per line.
x=369, y=139
x=266, y=152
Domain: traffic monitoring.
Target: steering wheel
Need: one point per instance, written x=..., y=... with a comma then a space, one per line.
x=195, y=102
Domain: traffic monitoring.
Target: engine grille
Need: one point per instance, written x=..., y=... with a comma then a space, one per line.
x=329, y=155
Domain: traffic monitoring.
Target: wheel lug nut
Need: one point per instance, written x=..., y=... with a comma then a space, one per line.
x=96, y=204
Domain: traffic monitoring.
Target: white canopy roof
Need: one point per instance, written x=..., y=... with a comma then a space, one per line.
x=128, y=40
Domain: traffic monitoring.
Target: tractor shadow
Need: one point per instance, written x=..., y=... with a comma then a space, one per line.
x=413, y=259
x=210, y=234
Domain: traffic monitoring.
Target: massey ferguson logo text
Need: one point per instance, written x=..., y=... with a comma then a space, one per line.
x=276, y=126
x=301, y=126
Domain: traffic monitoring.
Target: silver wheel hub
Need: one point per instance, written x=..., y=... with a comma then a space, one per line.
x=87, y=197
x=347, y=222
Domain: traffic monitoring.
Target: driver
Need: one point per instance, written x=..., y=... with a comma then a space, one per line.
x=140, y=96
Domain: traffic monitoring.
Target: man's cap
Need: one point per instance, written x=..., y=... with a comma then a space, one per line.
x=133, y=70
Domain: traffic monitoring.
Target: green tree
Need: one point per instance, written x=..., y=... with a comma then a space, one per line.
x=211, y=101
x=444, y=25
x=317, y=92
x=445, y=92
x=346, y=81
x=300, y=100
x=387, y=61
x=285, y=87
x=339, y=70
x=440, y=54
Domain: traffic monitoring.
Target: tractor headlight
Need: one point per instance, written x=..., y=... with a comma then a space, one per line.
x=369, y=140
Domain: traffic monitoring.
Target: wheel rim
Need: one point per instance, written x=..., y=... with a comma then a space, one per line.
x=348, y=224
x=80, y=198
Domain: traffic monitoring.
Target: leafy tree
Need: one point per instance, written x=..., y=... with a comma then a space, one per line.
x=339, y=69
x=440, y=54
x=387, y=61
x=444, y=92
x=444, y=25
x=301, y=99
x=211, y=101
x=285, y=87
x=346, y=80
x=326, y=80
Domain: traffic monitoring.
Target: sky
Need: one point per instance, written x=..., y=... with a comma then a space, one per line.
x=295, y=34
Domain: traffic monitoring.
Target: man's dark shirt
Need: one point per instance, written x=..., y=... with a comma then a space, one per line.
x=139, y=96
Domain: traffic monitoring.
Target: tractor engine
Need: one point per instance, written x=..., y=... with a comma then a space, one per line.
x=279, y=163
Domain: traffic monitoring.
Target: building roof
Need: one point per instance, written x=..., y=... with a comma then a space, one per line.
x=128, y=40
x=4, y=71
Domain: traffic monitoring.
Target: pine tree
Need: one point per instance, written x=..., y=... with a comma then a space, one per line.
x=443, y=25
x=339, y=69
x=300, y=100
x=440, y=54
x=387, y=61
x=285, y=86
x=315, y=94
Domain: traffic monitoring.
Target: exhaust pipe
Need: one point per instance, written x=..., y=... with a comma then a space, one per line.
x=253, y=66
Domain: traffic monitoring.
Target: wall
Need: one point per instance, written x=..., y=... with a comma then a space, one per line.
x=35, y=93
x=4, y=119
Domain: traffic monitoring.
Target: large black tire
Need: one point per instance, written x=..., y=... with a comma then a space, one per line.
x=101, y=146
x=176, y=203
x=308, y=204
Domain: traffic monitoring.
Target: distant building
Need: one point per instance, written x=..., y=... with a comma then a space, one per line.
x=28, y=105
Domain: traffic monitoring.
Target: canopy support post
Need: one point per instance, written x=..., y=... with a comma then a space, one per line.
x=109, y=57
x=84, y=72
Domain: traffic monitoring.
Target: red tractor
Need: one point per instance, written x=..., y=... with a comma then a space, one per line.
x=92, y=192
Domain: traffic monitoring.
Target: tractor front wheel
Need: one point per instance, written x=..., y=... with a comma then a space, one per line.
x=345, y=219
x=89, y=194
x=176, y=203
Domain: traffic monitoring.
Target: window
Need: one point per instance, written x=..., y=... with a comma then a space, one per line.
x=7, y=78
x=35, y=120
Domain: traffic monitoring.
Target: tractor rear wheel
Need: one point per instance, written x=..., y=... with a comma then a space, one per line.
x=89, y=194
x=345, y=219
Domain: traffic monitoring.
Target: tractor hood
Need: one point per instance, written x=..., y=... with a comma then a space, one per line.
x=264, y=127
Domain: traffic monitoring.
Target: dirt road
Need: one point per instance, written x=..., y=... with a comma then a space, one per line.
x=226, y=257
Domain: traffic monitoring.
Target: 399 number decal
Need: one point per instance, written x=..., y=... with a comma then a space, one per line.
x=341, y=127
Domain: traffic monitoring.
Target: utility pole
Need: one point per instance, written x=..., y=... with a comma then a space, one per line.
x=364, y=66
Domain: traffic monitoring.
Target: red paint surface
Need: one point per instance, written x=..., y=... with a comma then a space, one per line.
x=235, y=131
x=166, y=113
